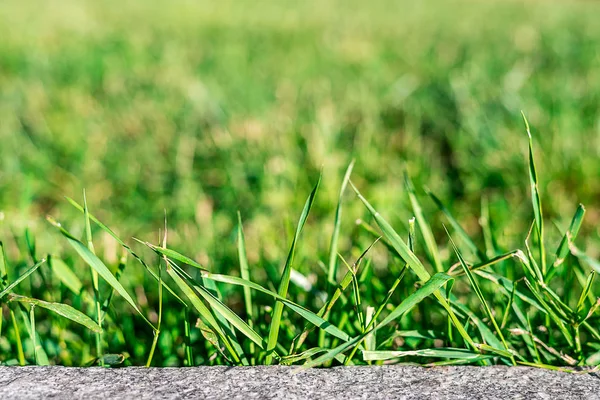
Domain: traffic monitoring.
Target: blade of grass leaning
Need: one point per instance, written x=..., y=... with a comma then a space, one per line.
x=486, y=333
x=430, y=244
x=413, y=262
x=245, y=274
x=20, y=279
x=173, y=255
x=224, y=316
x=125, y=246
x=430, y=287
x=536, y=199
x=93, y=261
x=211, y=287
x=203, y=310
x=61, y=309
x=479, y=294
x=285, y=278
x=220, y=308
x=466, y=239
x=563, y=248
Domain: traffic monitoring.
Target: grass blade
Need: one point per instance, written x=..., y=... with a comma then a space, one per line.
x=333, y=247
x=204, y=312
x=220, y=308
x=285, y=277
x=536, y=199
x=173, y=255
x=61, y=309
x=125, y=246
x=93, y=261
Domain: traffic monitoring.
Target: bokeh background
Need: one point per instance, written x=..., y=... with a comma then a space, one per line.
x=204, y=108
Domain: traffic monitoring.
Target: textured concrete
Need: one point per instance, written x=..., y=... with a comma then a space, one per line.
x=282, y=383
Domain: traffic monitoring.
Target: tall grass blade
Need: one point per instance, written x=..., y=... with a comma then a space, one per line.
x=333, y=247
x=285, y=277
x=536, y=199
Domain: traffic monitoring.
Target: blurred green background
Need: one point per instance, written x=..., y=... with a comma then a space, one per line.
x=204, y=108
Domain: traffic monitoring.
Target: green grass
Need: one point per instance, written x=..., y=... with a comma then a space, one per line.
x=271, y=183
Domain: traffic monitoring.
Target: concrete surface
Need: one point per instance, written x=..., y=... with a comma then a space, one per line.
x=390, y=382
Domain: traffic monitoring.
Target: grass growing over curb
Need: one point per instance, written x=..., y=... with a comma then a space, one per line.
x=476, y=305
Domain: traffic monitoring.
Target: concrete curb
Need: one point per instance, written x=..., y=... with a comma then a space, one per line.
x=389, y=382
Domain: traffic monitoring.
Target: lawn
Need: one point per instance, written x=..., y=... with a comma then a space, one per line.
x=287, y=146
